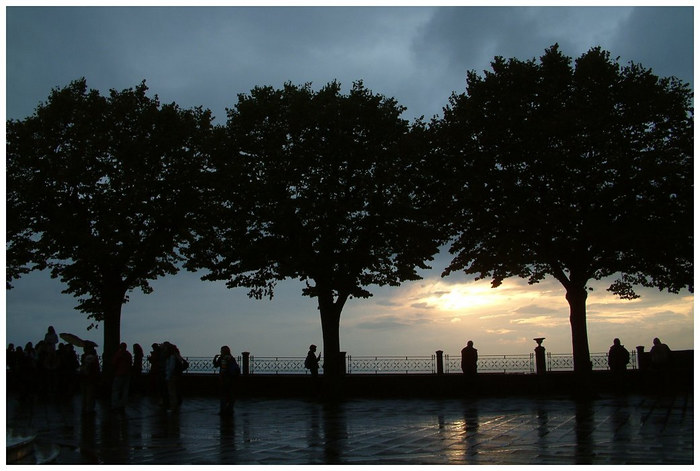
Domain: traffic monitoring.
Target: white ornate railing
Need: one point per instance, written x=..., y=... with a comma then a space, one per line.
x=407, y=364
x=391, y=364
x=494, y=363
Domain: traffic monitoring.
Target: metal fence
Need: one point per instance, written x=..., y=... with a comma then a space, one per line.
x=407, y=364
x=494, y=363
x=565, y=361
x=391, y=364
x=278, y=365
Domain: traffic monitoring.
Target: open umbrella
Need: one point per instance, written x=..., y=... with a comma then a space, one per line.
x=74, y=340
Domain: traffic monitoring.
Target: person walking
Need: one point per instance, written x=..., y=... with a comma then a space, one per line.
x=228, y=372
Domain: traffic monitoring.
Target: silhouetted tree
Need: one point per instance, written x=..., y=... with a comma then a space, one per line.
x=317, y=186
x=579, y=172
x=100, y=192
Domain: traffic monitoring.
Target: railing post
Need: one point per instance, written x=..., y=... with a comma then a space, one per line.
x=540, y=362
x=641, y=363
x=439, y=364
x=343, y=366
x=246, y=363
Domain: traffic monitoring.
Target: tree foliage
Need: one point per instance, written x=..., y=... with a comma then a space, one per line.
x=317, y=186
x=578, y=171
x=100, y=192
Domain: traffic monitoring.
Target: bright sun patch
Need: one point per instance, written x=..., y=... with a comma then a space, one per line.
x=462, y=298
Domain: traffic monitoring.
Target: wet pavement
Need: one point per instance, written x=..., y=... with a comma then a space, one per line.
x=505, y=430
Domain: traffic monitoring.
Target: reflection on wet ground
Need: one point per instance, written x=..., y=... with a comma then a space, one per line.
x=503, y=430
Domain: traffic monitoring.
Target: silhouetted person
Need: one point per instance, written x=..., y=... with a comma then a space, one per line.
x=137, y=369
x=68, y=369
x=51, y=339
x=228, y=371
x=174, y=365
x=89, y=377
x=660, y=356
x=162, y=375
x=311, y=362
x=50, y=363
x=11, y=365
x=469, y=358
x=122, y=377
x=618, y=357
x=154, y=359
x=660, y=367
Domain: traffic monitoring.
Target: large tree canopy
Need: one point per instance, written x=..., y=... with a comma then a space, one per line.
x=317, y=186
x=579, y=171
x=100, y=192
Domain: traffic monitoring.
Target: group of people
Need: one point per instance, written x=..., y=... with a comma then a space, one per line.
x=166, y=367
x=229, y=370
x=618, y=357
x=47, y=368
x=51, y=367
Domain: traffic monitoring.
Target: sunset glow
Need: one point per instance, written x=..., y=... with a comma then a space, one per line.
x=505, y=320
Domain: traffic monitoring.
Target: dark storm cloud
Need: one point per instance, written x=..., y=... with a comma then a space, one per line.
x=460, y=39
x=661, y=39
x=208, y=55
x=203, y=56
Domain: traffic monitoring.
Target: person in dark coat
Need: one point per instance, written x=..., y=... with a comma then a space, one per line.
x=311, y=362
x=228, y=371
x=660, y=356
x=90, y=376
x=137, y=369
x=469, y=359
x=122, y=377
x=618, y=357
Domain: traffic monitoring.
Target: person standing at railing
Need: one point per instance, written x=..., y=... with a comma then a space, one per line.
x=311, y=362
x=618, y=358
x=469, y=359
x=660, y=356
x=661, y=365
x=228, y=372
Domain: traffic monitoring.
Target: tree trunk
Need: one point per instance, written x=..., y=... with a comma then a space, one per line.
x=576, y=296
x=330, y=326
x=112, y=333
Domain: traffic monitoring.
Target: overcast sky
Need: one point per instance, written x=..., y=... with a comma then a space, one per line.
x=206, y=56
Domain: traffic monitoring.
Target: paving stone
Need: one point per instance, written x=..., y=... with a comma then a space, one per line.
x=514, y=430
